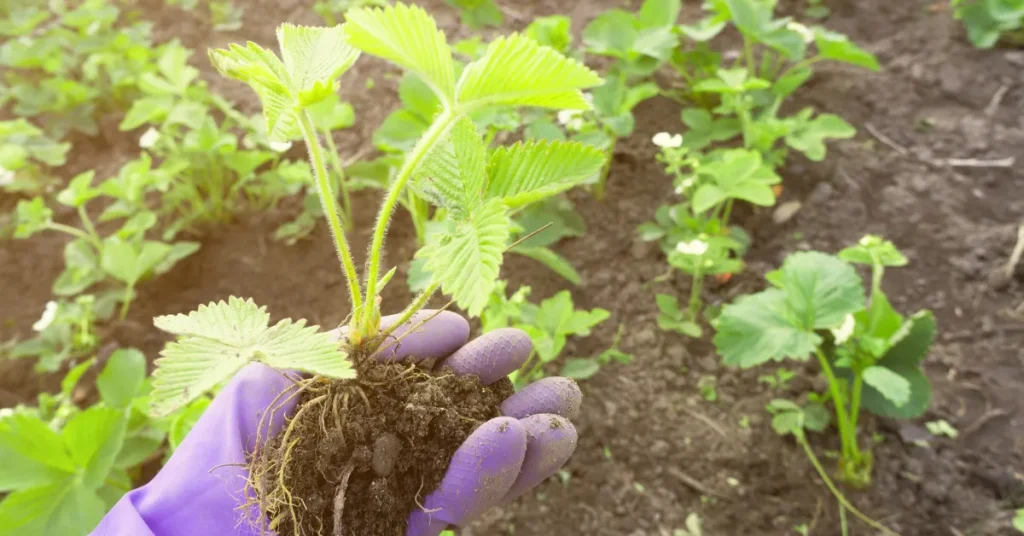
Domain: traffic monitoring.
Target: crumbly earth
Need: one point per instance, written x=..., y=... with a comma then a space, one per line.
x=652, y=450
x=368, y=451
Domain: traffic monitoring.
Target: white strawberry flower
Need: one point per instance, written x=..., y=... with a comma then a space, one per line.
x=844, y=331
x=686, y=183
x=693, y=247
x=571, y=119
x=806, y=33
x=280, y=146
x=6, y=176
x=149, y=138
x=668, y=141
x=49, y=313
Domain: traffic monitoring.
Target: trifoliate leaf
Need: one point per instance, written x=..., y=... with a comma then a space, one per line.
x=524, y=173
x=314, y=58
x=94, y=437
x=820, y=290
x=453, y=174
x=892, y=386
x=121, y=377
x=836, y=46
x=264, y=72
x=910, y=345
x=809, y=137
x=874, y=250
x=918, y=403
x=466, y=262
x=217, y=340
x=33, y=454
x=740, y=174
x=758, y=328
x=518, y=71
x=407, y=36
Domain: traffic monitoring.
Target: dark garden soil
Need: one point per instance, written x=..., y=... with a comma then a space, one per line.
x=651, y=449
x=364, y=453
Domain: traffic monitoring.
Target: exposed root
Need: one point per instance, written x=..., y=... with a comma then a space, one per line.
x=339, y=501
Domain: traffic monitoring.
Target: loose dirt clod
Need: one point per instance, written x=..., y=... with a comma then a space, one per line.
x=360, y=454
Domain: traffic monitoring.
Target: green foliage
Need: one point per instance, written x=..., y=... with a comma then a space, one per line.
x=65, y=330
x=988, y=21
x=217, y=340
x=478, y=13
x=549, y=325
x=870, y=354
x=26, y=154
x=118, y=261
x=65, y=466
x=672, y=318
x=1018, y=520
x=582, y=368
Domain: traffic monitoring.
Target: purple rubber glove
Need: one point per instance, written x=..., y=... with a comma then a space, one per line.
x=199, y=491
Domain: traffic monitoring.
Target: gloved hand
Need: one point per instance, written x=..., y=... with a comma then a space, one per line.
x=199, y=491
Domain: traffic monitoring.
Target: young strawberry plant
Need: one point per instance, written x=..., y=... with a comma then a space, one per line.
x=989, y=21
x=449, y=166
x=748, y=94
x=26, y=153
x=121, y=259
x=66, y=331
x=549, y=325
x=869, y=354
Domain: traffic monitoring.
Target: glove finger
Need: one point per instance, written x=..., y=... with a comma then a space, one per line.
x=557, y=395
x=493, y=355
x=550, y=441
x=437, y=337
x=479, y=476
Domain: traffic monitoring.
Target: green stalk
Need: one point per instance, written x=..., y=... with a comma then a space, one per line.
x=858, y=386
x=409, y=311
x=89, y=227
x=748, y=53
x=849, y=451
x=75, y=232
x=437, y=129
x=605, y=170
x=330, y=209
x=126, y=300
x=696, y=290
x=728, y=212
x=800, y=438
x=419, y=220
x=346, y=202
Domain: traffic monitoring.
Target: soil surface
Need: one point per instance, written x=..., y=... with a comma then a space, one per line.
x=360, y=455
x=652, y=450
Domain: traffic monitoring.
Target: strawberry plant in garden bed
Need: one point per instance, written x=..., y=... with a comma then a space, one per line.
x=656, y=453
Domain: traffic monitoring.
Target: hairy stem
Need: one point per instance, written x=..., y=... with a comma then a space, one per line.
x=849, y=447
x=316, y=157
x=339, y=171
x=437, y=129
x=412, y=309
x=800, y=438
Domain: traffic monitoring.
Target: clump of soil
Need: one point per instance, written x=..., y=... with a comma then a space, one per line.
x=359, y=455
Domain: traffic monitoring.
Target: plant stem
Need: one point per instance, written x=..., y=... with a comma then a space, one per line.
x=437, y=129
x=728, y=212
x=800, y=65
x=330, y=209
x=413, y=307
x=858, y=386
x=73, y=231
x=849, y=451
x=339, y=171
x=695, y=290
x=800, y=438
x=89, y=227
x=605, y=169
x=126, y=300
x=748, y=53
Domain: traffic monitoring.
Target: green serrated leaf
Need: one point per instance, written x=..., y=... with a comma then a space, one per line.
x=94, y=437
x=466, y=263
x=407, y=36
x=918, y=403
x=758, y=328
x=809, y=137
x=453, y=174
x=528, y=172
x=580, y=368
x=820, y=290
x=874, y=250
x=314, y=58
x=122, y=377
x=911, y=344
x=892, y=386
x=557, y=263
x=518, y=71
x=218, y=339
x=64, y=507
x=267, y=75
x=33, y=454
x=836, y=46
